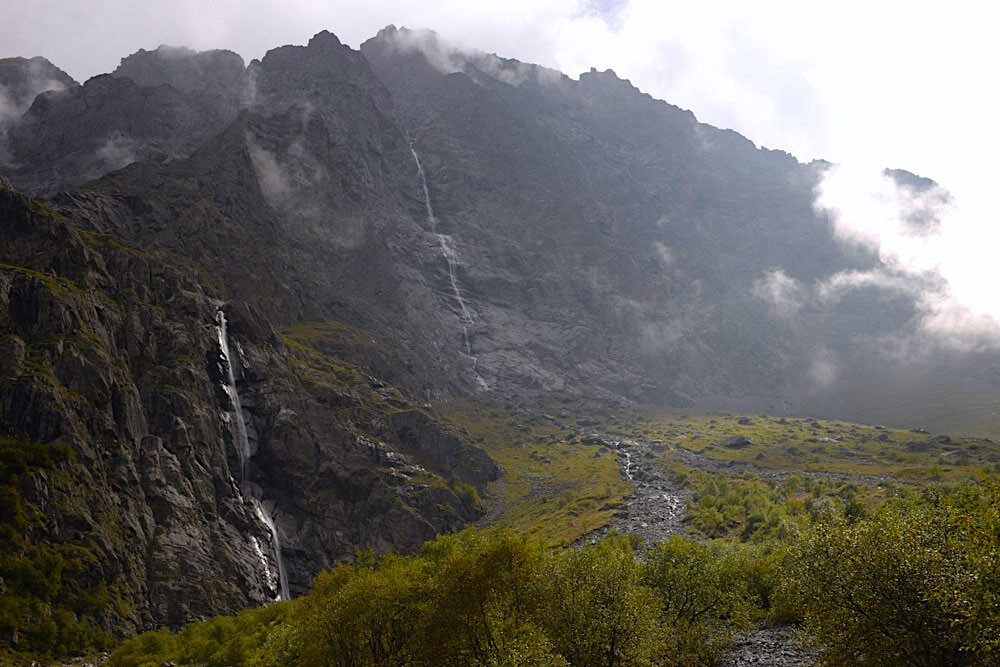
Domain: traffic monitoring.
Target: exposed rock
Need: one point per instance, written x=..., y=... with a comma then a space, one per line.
x=115, y=353
x=736, y=442
x=24, y=79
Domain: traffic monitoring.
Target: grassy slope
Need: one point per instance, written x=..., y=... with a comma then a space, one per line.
x=555, y=486
x=811, y=445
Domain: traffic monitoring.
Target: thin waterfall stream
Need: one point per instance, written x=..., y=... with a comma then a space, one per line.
x=263, y=509
x=451, y=258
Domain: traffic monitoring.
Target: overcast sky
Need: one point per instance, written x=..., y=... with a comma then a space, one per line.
x=868, y=84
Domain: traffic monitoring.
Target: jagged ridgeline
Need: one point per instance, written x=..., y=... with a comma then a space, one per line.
x=254, y=318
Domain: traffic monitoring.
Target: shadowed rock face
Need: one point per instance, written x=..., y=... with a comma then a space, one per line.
x=114, y=352
x=575, y=237
x=156, y=106
x=625, y=236
x=218, y=79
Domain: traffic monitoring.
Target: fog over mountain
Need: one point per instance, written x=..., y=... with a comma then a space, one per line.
x=240, y=292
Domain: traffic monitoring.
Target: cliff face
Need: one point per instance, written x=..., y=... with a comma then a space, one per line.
x=117, y=354
x=382, y=230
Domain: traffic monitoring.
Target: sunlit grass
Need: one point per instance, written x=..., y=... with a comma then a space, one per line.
x=554, y=486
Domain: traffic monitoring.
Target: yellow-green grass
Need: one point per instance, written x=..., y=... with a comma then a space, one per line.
x=819, y=445
x=554, y=486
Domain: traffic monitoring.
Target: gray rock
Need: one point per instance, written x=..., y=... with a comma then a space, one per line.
x=736, y=442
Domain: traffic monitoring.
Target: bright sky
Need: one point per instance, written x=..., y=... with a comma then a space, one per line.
x=869, y=84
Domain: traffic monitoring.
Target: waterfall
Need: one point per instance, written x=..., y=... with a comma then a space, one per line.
x=262, y=509
x=243, y=444
x=427, y=193
x=451, y=258
x=264, y=513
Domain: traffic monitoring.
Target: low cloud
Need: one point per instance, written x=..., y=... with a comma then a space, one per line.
x=116, y=152
x=664, y=254
x=783, y=294
x=299, y=188
x=935, y=246
x=832, y=289
x=822, y=372
x=448, y=58
x=13, y=103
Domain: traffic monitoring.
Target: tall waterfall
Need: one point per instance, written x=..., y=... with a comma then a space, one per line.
x=262, y=509
x=451, y=258
x=243, y=440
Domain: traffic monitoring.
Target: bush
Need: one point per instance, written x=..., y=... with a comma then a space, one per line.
x=914, y=584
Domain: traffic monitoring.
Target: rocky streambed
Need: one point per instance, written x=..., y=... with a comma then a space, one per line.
x=655, y=510
x=777, y=646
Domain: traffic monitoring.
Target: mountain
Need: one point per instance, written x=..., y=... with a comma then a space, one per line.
x=240, y=295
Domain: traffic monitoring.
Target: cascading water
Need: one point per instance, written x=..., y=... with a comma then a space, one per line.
x=264, y=513
x=628, y=461
x=243, y=440
x=262, y=509
x=451, y=258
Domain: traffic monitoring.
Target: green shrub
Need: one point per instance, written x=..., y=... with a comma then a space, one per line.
x=913, y=584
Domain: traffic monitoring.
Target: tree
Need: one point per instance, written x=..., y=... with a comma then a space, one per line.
x=596, y=610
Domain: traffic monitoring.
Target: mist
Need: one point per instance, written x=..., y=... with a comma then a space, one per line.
x=938, y=247
x=448, y=58
x=15, y=100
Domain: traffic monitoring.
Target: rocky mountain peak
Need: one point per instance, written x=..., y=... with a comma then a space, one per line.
x=324, y=39
x=183, y=68
x=24, y=79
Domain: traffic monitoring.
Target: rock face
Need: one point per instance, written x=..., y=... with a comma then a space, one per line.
x=114, y=352
x=22, y=80
x=217, y=79
x=383, y=229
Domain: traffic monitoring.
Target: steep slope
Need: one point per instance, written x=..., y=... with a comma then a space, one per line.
x=116, y=354
x=156, y=106
x=642, y=254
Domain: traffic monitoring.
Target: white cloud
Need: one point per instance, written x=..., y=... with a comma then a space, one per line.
x=783, y=294
x=664, y=253
x=823, y=371
x=831, y=289
x=945, y=261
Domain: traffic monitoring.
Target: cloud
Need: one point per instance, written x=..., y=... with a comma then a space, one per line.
x=664, y=254
x=822, y=372
x=13, y=103
x=447, y=57
x=784, y=295
x=116, y=152
x=833, y=288
x=940, y=248
x=777, y=71
x=298, y=187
